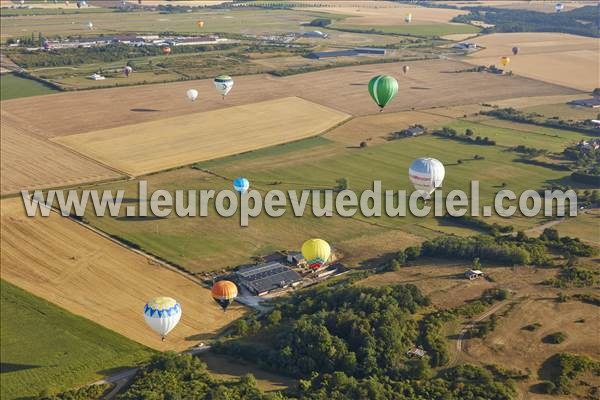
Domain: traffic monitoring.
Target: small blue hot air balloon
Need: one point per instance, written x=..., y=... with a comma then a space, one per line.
x=241, y=184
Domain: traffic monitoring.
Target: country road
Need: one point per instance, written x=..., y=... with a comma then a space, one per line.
x=471, y=324
x=120, y=379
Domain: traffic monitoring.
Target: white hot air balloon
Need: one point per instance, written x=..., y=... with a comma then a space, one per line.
x=426, y=174
x=162, y=314
x=223, y=84
x=90, y=25
x=192, y=94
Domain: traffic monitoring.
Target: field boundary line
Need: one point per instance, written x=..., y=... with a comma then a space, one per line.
x=148, y=256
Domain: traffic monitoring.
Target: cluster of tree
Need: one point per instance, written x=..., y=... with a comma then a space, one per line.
x=109, y=53
x=322, y=22
x=461, y=382
x=483, y=328
x=28, y=41
x=450, y=133
x=511, y=114
x=92, y=392
x=479, y=224
x=529, y=151
x=581, y=21
x=565, y=367
x=507, y=249
x=355, y=330
x=401, y=258
x=182, y=376
x=589, y=197
x=555, y=338
x=574, y=277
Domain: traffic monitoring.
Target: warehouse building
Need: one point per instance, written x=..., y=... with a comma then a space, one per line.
x=265, y=278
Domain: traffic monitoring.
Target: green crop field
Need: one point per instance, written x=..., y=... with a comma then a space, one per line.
x=206, y=243
x=440, y=29
x=231, y=21
x=46, y=347
x=12, y=87
x=507, y=133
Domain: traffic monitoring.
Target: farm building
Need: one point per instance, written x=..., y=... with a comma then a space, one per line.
x=417, y=352
x=370, y=50
x=295, y=258
x=315, y=34
x=264, y=278
x=473, y=274
x=337, y=53
x=594, y=102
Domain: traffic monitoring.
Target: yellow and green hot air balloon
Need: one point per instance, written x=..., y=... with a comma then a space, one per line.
x=316, y=252
x=504, y=61
x=383, y=89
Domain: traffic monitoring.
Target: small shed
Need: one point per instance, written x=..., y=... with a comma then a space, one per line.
x=416, y=352
x=473, y=274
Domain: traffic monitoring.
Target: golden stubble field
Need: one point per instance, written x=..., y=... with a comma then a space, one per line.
x=372, y=16
x=557, y=58
x=547, y=6
x=172, y=142
x=30, y=162
x=88, y=275
x=431, y=83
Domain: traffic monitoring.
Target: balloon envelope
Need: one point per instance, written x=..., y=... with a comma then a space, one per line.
x=426, y=174
x=241, y=184
x=405, y=69
x=383, y=89
x=504, y=61
x=166, y=50
x=162, y=314
x=127, y=70
x=316, y=252
x=200, y=24
x=515, y=50
x=223, y=84
x=408, y=18
x=224, y=292
x=192, y=94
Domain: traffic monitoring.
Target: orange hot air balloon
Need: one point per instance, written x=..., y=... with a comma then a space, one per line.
x=224, y=292
x=200, y=24
x=166, y=50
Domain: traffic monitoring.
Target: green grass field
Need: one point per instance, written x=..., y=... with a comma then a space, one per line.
x=418, y=30
x=231, y=21
x=12, y=87
x=47, y=348
x=205, y=243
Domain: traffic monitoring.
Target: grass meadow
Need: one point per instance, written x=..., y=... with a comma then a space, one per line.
x=45, y=348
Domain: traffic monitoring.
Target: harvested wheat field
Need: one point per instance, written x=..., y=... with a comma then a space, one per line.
x=75, y=268
x=430, y=83
x=557, y=58
x=370, y=16
x=375, y=128
x=30, y=162
x=172, y=142
x=547, y=6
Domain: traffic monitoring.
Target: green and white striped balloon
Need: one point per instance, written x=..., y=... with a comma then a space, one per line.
x=383, y=88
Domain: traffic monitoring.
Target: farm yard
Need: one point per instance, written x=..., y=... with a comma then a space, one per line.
x=90, y=276
x=557, y=58
x=73, y=289
x=173, y=142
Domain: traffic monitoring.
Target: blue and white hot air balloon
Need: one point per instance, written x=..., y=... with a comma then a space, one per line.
x=426, y=174
x=241, y=185
x=162, y=314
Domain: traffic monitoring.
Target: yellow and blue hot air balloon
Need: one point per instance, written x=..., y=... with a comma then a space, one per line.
x=224, y=292
x=162, y=314
x=316, y=252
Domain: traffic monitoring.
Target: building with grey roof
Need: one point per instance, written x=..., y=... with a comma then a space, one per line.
x=264, y=278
